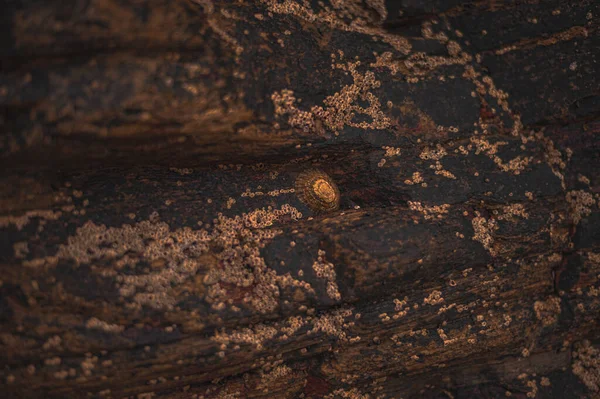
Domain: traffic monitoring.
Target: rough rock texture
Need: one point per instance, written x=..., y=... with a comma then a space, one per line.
x=154, y=242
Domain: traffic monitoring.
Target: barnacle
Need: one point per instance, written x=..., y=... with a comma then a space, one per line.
x=317, y=190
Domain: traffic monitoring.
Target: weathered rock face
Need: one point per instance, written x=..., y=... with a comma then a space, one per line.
x=231, y=199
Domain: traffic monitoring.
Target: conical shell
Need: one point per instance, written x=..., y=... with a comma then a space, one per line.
x=318, y=191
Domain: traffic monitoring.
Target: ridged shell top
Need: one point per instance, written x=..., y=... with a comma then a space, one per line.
x=317, y=190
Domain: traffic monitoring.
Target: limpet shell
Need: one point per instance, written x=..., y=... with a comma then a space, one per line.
x=317, y=190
